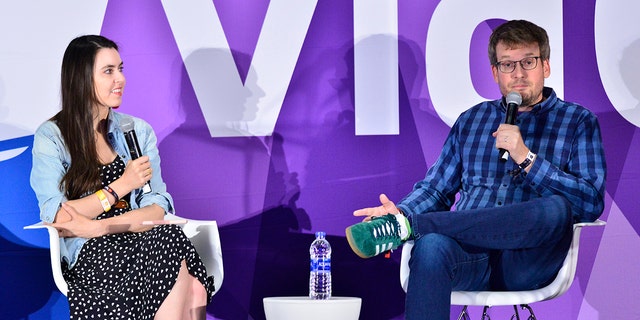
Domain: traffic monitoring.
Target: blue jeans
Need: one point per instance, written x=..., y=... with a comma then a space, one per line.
x=515, y=247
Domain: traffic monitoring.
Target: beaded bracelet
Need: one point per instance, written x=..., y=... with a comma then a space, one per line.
x=112, y=192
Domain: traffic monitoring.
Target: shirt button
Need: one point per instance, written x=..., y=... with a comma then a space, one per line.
x=499, y=203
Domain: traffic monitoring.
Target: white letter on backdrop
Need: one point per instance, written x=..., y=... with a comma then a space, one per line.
x=447, y=48
x=230, y=107
x=26, y=67
x=29, y=27
x=617, y=50
x=375, y=28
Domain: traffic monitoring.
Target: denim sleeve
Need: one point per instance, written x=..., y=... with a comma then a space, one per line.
x=49, y=166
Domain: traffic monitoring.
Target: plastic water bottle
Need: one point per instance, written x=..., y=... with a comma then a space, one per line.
x=320, y=268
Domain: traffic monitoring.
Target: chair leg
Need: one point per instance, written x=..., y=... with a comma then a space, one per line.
x=464, y=315
x=532, y=316
x=485, y=315
x=516, y=315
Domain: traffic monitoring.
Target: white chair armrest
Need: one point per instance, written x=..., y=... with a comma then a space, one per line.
x=203, y=234
x=54, y=253
x=206, y=239
x=596, y=223
x=404, y=264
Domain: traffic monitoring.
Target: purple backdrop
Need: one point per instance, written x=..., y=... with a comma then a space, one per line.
x=270, y=194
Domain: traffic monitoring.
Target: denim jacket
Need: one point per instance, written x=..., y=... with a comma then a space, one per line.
x=51, y=160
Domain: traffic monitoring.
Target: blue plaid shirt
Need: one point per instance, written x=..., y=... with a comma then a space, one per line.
x=570, y=161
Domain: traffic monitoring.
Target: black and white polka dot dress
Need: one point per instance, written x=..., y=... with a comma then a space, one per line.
x=128, y=275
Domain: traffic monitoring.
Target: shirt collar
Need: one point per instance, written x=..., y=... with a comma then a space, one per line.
x=114, y=121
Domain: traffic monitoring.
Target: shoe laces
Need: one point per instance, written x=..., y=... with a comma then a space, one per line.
x=386, y=229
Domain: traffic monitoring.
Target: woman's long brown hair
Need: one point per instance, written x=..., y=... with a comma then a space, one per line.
x=75, y=120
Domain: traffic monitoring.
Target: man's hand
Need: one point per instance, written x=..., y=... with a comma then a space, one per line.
x=508, y=137
x=387, y=207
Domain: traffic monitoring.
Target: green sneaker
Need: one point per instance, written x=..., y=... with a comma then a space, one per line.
x=371, y=238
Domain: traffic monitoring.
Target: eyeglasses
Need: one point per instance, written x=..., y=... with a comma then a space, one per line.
x=528, y=63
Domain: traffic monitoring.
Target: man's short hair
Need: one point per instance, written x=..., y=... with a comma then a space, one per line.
x=516, y=33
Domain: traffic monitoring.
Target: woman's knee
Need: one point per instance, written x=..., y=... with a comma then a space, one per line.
x=198, y=291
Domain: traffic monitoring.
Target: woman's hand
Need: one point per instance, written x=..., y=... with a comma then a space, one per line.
x=387, y=207
x=137, y=173
x=78, y=225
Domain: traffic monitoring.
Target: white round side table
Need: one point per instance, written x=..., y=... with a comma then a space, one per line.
x=297, y=308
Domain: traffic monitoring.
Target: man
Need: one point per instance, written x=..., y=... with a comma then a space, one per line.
x=513, y=221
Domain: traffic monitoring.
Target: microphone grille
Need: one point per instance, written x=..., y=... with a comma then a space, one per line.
x=514, y=97
x=126, y=124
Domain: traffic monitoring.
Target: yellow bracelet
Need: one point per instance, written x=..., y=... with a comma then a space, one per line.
x=103, y=200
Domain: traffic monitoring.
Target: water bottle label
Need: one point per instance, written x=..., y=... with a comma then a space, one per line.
x=320, y=265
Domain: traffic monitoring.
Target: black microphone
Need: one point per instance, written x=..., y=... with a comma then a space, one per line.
x=513, y=100
x=132, y=142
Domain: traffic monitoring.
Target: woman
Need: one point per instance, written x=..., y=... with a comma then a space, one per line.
x=89, y=188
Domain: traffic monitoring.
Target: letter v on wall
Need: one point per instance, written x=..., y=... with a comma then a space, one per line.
x=232, y=108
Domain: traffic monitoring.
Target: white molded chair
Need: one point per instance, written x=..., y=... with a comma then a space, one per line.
x=202, y=233
x=560, y=284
